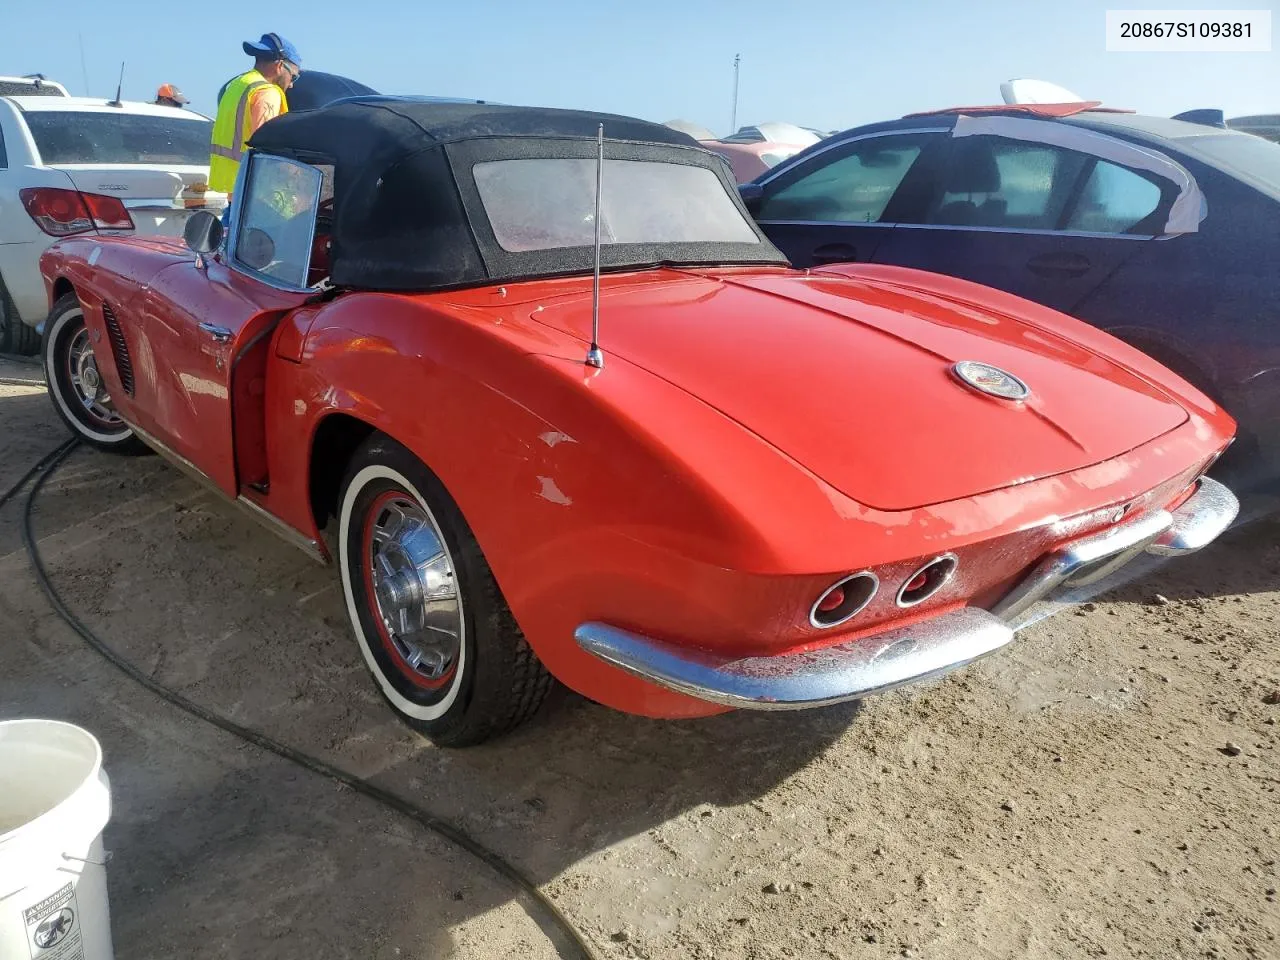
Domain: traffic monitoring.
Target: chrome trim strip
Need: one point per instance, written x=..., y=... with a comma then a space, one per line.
x=1084, y=561
x=898, y=225
x=310, y=547
x=159, y=205
x=793, y=681
x=175, y=459
x=1024, y=231
x=277, y=526
x=1199, y=521
x=829, y=223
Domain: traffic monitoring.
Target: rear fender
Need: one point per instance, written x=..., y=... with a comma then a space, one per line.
x=1172, y=353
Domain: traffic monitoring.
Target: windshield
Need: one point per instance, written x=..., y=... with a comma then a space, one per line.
x=69, y=136
x=1254, y=160
x=543, y=204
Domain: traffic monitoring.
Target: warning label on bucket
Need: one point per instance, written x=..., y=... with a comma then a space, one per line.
x=53, y=930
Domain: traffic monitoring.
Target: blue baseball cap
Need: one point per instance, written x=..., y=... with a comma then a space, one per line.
x=273, y=45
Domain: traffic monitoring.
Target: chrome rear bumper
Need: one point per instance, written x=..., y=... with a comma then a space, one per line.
x=792, y=681
x=1195, y=524
x=928, y=648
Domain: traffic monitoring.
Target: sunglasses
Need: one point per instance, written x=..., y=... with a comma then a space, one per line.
x=294, y=74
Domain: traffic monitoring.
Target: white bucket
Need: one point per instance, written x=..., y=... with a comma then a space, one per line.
x=55, y=800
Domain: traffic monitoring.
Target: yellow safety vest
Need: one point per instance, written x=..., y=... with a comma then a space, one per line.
x=231, y=130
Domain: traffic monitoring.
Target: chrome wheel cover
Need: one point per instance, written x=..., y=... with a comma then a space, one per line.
x=86, y=382
x=413, y=586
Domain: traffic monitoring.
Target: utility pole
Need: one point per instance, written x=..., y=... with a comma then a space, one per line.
x=84, y=68
x=733, y=123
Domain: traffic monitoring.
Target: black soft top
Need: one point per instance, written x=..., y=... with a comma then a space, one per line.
x=407, y=211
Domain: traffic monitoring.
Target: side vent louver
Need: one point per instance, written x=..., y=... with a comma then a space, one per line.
x=119, y=349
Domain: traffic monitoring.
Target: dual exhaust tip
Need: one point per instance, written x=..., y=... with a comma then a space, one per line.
x=848, y=597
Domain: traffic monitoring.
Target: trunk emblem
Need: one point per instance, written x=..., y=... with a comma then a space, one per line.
x=990, y=380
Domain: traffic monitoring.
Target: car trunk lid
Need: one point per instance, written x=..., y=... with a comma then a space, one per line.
x=855, y=381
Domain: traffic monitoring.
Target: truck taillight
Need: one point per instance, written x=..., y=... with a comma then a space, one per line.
x=64, y=213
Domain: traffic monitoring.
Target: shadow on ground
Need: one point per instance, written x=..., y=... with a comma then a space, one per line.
x=222, y=850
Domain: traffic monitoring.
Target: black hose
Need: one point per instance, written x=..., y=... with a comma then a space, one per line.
x=56, y=454
x=554, y=921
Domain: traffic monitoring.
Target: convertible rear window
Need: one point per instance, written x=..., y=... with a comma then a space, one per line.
x=545, y=203
x=70, y=136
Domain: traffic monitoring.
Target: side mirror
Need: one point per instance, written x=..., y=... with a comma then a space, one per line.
x=752, y=194
x=203, y=232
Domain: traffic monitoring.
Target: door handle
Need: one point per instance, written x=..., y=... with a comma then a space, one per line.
x=221, y=334
x=835, y=253
x=1060, y=265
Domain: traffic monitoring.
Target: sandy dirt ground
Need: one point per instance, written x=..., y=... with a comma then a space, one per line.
x=1107, y=786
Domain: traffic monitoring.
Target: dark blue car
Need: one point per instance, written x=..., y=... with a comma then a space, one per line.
x=1162, y=232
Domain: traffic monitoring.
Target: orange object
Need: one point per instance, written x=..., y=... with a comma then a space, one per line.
x=1030, y=109
x=167, y=91
x=617, y=495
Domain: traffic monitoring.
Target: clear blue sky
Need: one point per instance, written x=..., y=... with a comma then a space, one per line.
x=820, y=64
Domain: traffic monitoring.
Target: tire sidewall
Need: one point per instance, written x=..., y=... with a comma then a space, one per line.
x=383, y=470
x=66, y=318
x=16, y=336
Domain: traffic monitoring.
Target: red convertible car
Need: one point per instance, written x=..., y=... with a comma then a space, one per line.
x=758, y=487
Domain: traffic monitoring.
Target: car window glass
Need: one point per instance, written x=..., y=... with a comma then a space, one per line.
x=4, y=157
x=1113, y=200
x=277, y=218
x=72, y=136
x=994, y=182
x=853, y=186
x=545, y=203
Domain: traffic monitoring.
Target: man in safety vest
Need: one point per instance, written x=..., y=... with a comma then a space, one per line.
x=247, y=102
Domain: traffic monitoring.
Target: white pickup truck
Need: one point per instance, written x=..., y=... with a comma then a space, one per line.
x=76, y=165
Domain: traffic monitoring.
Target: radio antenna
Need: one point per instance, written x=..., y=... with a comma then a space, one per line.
x=595, y=357
x=119, y=89
x=733, y=123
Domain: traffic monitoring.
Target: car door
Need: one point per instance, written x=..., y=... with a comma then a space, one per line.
x=1036, y=219
x=202, y=319
x=840, y=203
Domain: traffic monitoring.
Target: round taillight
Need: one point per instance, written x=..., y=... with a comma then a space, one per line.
x=927, y=581
x=844, y=600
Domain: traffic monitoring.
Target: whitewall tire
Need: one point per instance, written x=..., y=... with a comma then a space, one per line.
x=430, y=621
x=75, y=384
